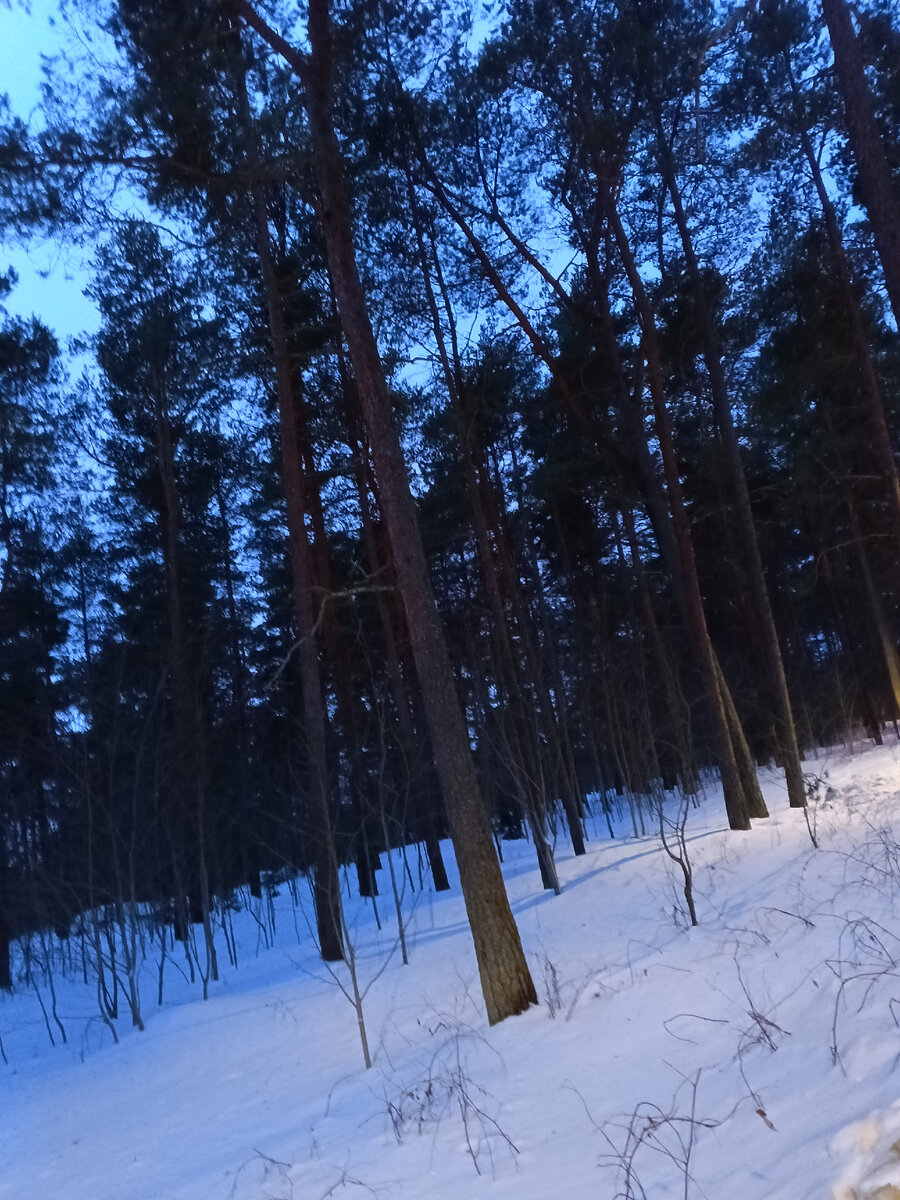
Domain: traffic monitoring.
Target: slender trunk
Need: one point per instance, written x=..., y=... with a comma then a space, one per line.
x=425, y=793
x=514, y=689
x=539, y=653
x=245, y=857
x=878, y=191
x=771, y=651
x=506, y=981
x=334, y=643
x=536, y=630
x=326, y=882
x=191, y=897
x=743, y=798
x=675, y=730
x=886, y=640
x=869, y=709
x=870, y=387
x=738, y=805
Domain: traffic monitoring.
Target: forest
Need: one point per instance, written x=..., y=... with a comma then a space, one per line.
x=491, y=423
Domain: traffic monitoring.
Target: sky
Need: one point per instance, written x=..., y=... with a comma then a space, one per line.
x=51, y=279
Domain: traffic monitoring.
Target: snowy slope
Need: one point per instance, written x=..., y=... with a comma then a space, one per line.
x=752, y=1057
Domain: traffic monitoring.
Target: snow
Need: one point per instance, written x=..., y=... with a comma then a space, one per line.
x=752, y=1057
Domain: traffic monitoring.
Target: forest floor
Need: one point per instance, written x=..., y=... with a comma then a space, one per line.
x=753, y=1057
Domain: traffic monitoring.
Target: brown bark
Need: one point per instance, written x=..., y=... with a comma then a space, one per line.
x=886, y=641
x=685, y=579
x=326, y=886
x=326, y=881
x=741, y=789
x=870, y=387
x=192, y=898
x=524, y=750
x=878, y=191
x=506, y=981
x=789, y=751
x=426, y=801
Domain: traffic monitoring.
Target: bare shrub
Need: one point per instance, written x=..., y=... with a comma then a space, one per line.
x=868, y=954
x=672, y=827
x=562, y=996
x=650, y=1138
x=446, y=1087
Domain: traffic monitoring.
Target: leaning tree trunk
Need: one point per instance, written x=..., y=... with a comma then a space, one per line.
x=789, y=751
x=426, y=806
x=743, y=798
x=523, y=743
x=326, y=885
x=365, y=807
x=881, y=627
x=828, y=560
x=675, y=729
x=878, y=191
x=505, y=978
x=326, y=880
x=870, y=390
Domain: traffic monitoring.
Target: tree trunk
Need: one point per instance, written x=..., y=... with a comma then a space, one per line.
x=505, y=979
x=869, y=709
x=427, y=811
x=525, y=749
x=870, y=387
x=192, y=893
x=675, y=730
x=883, y=633
x=333, y=640
x=685, y=581
x=771, y=651
x=326, y=882
x=879, y=194
x=741, y=789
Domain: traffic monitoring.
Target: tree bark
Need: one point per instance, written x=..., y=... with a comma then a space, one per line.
x=326, y=880
x=771, y=651
x=506, y=981
x=870, y=387
x=326, y=883
x=426, y=800
x=879, y=194
x=192, y=898
x=743, y=797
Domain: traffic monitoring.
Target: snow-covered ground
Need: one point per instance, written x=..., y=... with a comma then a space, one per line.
x=751, y=1058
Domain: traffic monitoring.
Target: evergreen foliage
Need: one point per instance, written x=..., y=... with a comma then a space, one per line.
x=624, y=309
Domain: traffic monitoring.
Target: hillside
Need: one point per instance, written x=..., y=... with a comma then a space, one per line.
x=752, y=1056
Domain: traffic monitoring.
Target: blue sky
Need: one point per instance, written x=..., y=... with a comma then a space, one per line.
x=51, y=278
